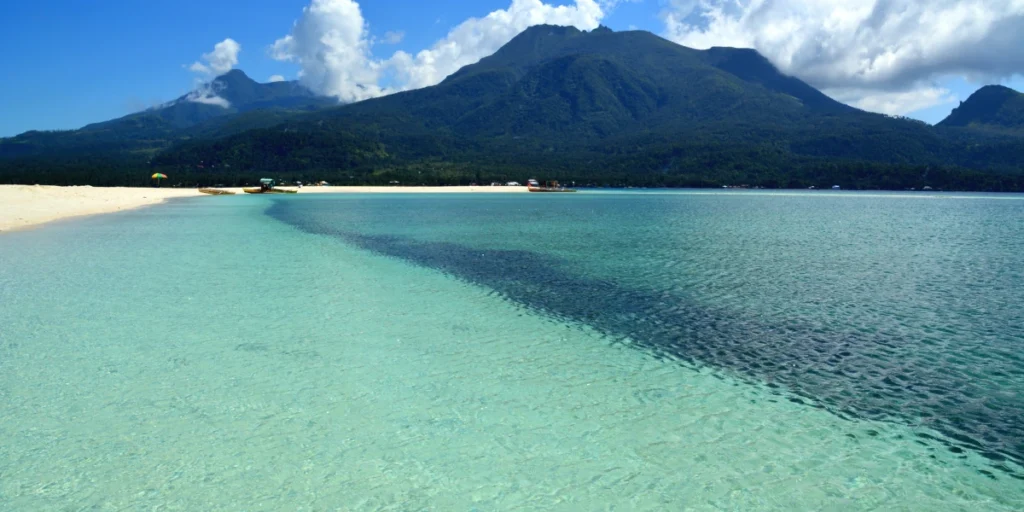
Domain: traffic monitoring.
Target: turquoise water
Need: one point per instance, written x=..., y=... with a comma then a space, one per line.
x=592, y=351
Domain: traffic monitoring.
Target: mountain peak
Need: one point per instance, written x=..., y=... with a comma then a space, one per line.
x=992, y=106
x=235, y=73
x=548, y=31
x=996, y=87
x=993, y=92
x=530, y=46
x=646, y=61
x=558, y=32
x=235, y=77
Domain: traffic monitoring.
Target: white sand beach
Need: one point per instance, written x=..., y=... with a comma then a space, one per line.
x=395, y=190
x=413, y=190
x=23, y=206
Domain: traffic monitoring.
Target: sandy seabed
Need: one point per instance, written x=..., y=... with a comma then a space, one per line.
x=23, y=206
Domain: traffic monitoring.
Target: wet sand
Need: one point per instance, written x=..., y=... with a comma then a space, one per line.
x=24, y=206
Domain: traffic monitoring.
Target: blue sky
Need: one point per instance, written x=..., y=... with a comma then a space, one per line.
x=68, y=62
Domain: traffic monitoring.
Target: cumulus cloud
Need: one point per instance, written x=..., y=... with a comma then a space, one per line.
x=222, y=59
x=882, y=55
x=897, y=102
x=207, y=95
x=331, y=44
x=276, y=78
x=393, y=37
x=477, y=38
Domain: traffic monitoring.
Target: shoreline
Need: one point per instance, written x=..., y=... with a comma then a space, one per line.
x=29, y=206
x=373, y=189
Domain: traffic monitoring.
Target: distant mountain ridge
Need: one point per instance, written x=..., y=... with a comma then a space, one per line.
x=993, y=108
x=242, y=94
x=216, y=108
x=601, y=82
x=555, y=91
x=600, y=106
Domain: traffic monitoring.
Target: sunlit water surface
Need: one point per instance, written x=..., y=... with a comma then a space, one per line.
x=456, y=352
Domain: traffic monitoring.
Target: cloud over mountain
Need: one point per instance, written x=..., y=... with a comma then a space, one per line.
x=477, y=38
x=222, y=59
x=883, y=55
x=331, y=43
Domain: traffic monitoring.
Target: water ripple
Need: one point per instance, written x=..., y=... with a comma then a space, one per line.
x=917, y=371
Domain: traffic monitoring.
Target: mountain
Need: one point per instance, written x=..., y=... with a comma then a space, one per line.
x=239, y=94
x=992, y=108
x=603, y=107
x=625, y=107
x=217, y=108
x=558, y=83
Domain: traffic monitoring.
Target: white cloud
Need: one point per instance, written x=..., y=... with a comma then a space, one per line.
x=222, y=59
x=477, y=38
x=393, y=37
x=198, y=67
x=331, y=44
x=884, y=55
x=895, y=102
x=207, y=94
x=276, y=78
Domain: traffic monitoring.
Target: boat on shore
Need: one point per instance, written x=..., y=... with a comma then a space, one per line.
x=549, y=186
x=268, y=186
x=216, y=192
x=273, y=191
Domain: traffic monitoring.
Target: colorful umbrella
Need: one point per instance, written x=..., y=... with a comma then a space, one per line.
x=159, y=176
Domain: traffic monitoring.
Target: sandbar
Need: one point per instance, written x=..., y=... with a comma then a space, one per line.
x=396, y=190
x=25, y=206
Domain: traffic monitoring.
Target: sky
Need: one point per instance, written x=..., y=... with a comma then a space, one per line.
x=68, y=63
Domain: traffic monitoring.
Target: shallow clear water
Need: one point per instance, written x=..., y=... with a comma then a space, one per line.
x=588, y=351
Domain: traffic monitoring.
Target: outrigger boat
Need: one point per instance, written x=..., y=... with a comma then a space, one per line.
x=549, y=186
x=267, y=187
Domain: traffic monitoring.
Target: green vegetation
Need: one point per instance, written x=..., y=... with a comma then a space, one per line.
x=992, y=109
x=601, y=108
x=249, y=105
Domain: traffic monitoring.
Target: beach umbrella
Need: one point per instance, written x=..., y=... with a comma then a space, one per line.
x=159, y=176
